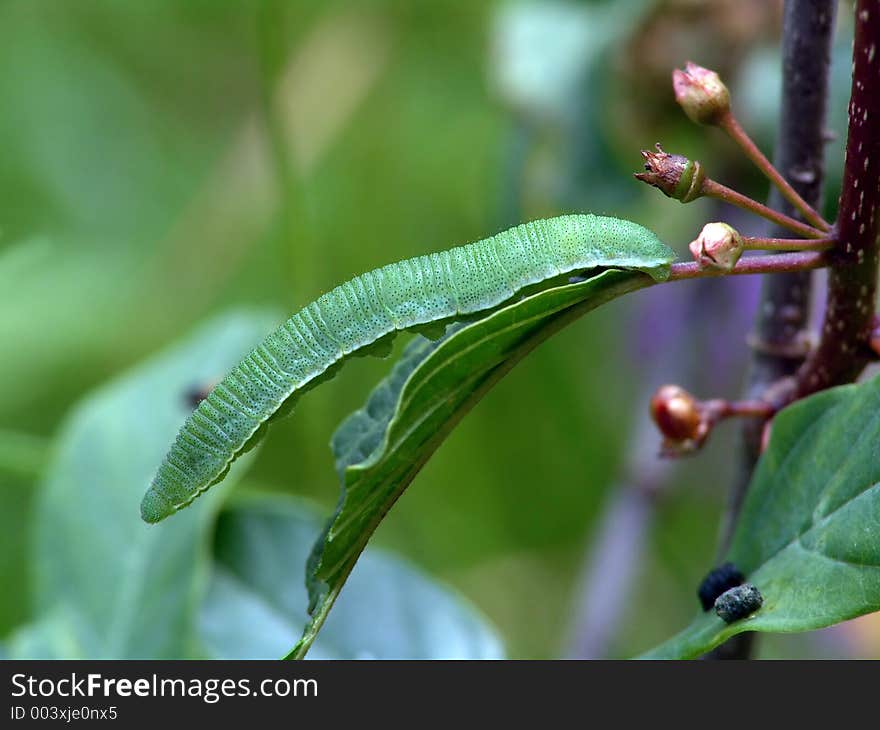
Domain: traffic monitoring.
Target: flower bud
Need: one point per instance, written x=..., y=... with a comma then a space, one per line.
x=718, y=246
x=677, y=414
x=676, y=176
x=701, y=93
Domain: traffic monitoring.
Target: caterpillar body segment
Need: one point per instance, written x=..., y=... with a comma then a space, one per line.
x=418, y=293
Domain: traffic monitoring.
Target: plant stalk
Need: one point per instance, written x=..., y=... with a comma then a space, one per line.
x=782, y=318
x=714, y=189
x=843, y=349
x=801, y=263
x=788, y=244
x=730, y=125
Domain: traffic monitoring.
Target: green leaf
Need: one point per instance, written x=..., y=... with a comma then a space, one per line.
x=381, y=448
x=357, y=318
x=809, y=533
x=132, y=590
x=22, y=456
x=255, y=608
x=17, y=497
x=58, y=634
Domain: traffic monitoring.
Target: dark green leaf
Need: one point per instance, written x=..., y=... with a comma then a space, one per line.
x=809, y=533
x=128, y=589
x=381, y=448
x=255, y=607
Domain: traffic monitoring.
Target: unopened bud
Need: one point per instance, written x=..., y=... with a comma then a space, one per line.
x=701, y=93
x=677, y=414
x=718, y=246
x=676, y=176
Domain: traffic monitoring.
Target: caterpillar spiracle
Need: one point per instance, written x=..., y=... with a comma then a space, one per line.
x=366, y=311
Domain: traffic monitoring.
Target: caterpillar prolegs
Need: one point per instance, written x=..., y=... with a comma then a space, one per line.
x=366, y=311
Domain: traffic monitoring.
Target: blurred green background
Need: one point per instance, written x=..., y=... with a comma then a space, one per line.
x=164, y=162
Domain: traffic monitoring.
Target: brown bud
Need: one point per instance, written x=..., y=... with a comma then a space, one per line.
x=676, y=176
x=701, y=93
x=718, y=246
x=677, y=414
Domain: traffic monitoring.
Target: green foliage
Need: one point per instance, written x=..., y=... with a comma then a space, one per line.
x=809, y=533
x=256, y=603
x=165, y=161
x=125, y=591
x=364, y=314
x=381, y=448
x=122, y=589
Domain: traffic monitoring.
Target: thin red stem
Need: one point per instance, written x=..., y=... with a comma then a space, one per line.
x=714, y=189
x=730, y=125
x=788, y=244
x=748, y=408
x=769, y=264
x=719, y=409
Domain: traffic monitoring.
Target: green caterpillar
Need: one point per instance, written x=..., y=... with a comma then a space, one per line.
x=361, y=314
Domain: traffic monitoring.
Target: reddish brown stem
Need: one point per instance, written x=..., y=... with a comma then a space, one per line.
x=770, y=264
x=780, y=339
x=747, y=409
x=719, y=409
x=788, y=244
x=714, y=189
x=729, y=124
x=843, y=349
